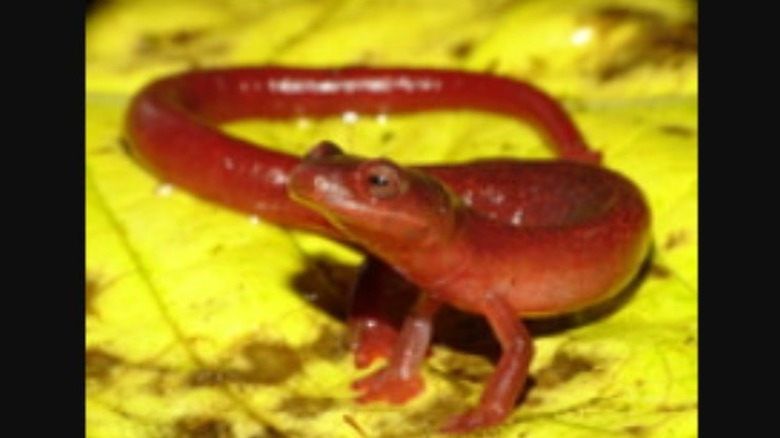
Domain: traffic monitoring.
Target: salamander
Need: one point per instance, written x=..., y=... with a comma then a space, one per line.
x=502, y=238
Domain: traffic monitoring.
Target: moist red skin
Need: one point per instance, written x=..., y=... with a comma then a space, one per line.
x=518, y=238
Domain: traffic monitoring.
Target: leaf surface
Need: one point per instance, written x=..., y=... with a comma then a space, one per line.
x=203, y=322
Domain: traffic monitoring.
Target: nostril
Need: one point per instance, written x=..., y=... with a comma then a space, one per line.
x=323, y=149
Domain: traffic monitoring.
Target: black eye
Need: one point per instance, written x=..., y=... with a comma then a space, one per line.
x=378, y=180
x=384, y=180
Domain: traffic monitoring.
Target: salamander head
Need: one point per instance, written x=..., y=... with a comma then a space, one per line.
x=374, y=202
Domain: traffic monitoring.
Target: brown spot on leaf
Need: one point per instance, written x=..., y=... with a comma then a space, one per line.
x=268, y=364
x=93, y=289
x=468, y=368
x=387, y=137
x=462, y=49
x=118, y=145
x=350, y=420
x=189, y=46
x=271, y=363
x=678, y=39
x=637, y=430
x=185, y=37
x=150, y=44
x=683, y=407
x=612, y=15
x=678, y=130
x=306, y=407
x=564, y=367
x=214, y=377
x=492, y=65
x=657, y=41
x=99, y=364
x=660, y=271
x=271, y=432
x=329, y=344
x=438, y=412
x=203, y=427
x=675, y=239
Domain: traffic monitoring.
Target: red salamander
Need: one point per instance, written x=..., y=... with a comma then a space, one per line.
x=501, y=238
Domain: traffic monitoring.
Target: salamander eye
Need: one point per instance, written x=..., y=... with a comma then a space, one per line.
x=384, y=181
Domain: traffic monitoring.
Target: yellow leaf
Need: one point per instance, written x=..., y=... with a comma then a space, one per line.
x=204, y=322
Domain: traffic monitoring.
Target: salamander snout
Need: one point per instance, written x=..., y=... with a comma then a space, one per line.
x=322, y=176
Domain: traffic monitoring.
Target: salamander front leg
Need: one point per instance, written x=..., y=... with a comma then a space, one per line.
x=379, y=301
x=400, y=380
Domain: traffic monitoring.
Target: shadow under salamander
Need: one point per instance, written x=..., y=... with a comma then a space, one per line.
x=326, y=285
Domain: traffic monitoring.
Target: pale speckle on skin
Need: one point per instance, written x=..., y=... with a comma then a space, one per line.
x=250, y=86
x=382, y=119
x=277, y=176
x=228, y=163
x=468, y=198
x=254, y=220
x=517, y=218
x=495, y=197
